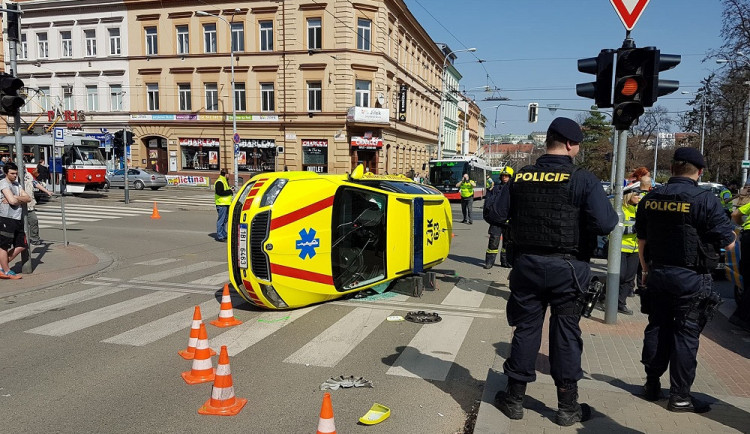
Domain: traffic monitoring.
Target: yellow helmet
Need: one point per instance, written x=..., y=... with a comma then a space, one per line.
x=507, y=170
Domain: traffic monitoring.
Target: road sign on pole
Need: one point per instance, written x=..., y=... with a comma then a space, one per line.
x=746, y=164
x=236, y=138
x=59, y=137
x=629, y=11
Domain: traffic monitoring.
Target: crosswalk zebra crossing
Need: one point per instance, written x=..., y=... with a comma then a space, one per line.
x=193, y=201
x=50, y=215
x=429, y=355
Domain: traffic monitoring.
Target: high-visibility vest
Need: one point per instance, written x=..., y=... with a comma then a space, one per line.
x=467, y=189
x=745, y=210
x=726, y=199
x=629, y=237
x=222, y=200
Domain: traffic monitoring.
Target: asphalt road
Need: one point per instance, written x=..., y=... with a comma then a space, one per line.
x=100, y=354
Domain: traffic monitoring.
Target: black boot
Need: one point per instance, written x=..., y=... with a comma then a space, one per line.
x=687, y=404
x=569, y=410
x=652, y=389
x=504, y=259
x=489, y=260
x=510, y=401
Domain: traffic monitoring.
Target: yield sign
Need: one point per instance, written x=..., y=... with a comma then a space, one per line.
x=629, y=11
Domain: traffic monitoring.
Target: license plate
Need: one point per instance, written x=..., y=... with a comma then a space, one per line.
x=242, y=246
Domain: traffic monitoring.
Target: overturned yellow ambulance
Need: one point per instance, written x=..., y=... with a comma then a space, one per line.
x=299, y=238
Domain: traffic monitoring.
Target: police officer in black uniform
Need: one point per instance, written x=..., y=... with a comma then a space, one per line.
x=681, y=228
x=497, y=231
x=556, y=210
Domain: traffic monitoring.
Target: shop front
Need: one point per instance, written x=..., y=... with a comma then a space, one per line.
x=157, y=154
x=315, y=155
x=199, y=153
x=256, y=155
x=365, y=150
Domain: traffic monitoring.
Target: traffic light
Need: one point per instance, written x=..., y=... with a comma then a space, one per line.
x=14, y=22
x=533, y=112
x=656, y=87
x=632, y=74
x=122, y=137
x=601, y=89
x=10, y=101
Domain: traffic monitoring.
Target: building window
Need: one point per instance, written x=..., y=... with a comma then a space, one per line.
x=92, y=98
x=314, y=34
x=115, y=97
x=66, y=41
x=315, y=155
x=362, y=93
x=209, y=38
x=90, y=36
x=153, y=96
x=266, y=97
x=43, y=45
x=212, y=97
x=266, y=35
x=239, y=97
x=115, y=47
x=152, y=46
x=186, y=97
x=314, y=96
x=24, y=53
x=238, y=37
x=44, y=98
x=199, y=153
x=68, y=97
x=363, y=34
x=183, y=40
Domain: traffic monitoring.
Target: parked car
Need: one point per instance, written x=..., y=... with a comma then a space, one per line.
x=298, y=238
x=137, y=179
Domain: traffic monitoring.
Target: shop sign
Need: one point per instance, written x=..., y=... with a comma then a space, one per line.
x=322, y=143
x=199, y=142
x=365, y=143
x=176, y=117
x=257, y=143
x=255, y=118
x=193, y=181
x=402, y=94
x=316, y=169
x=367, y=115
x=72, y=118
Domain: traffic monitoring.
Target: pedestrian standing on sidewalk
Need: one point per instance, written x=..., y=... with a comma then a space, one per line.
x=555, y=210
x=222, y=199
x=628, y=251
x=680, y=228
x=741, y=316
x=31, y=216
x=466, y=189
x=498, y=231
x=12, y=237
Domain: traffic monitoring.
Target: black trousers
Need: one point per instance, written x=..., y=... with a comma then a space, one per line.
x=535, y=283
x=670, y=341
x=466, y=204
x=743, y=307
x=628, y=271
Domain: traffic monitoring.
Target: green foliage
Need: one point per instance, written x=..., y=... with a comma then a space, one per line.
x=596, y=149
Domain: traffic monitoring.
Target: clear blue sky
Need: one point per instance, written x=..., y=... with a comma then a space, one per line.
x=531, y=48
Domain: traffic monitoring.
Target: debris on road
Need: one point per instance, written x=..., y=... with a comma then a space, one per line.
x=423, y=317
x=345, y=382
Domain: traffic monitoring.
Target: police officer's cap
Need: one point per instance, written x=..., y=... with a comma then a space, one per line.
x=568, y=128
x=690, y=155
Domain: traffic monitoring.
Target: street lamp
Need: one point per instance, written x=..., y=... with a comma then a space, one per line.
x=234, y=104
x=747, y=128
x=442, y=99
x=703, y=120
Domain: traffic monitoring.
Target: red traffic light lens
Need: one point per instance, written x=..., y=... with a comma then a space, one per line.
x=629, y=87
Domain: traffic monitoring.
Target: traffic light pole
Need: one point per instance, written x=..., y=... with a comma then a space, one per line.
x=615, y=237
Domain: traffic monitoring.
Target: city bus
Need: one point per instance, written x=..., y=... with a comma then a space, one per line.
x=447, y=172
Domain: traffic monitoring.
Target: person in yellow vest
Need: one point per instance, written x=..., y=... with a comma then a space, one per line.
x=628, y=251
x=222, y=199
x=466, y=189
x=741, y=316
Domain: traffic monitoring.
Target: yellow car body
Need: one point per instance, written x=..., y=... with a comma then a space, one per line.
x=299, y=238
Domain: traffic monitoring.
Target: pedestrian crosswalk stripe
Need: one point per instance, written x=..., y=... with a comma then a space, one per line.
x=57, y=216
x=167, y=274
x=469, y=297
x=251, y=332
x=215, y=279
x=163, y=327
x=330, y=347
x=160, y=261
x=115, y=209
x=56, y=302
x=104, y=314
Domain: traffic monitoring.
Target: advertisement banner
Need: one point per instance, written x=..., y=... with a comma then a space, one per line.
x=367, y=143
x=367, y=115
x=191, y=181
x=198, y=142
x=402, y=95
x=322, y=143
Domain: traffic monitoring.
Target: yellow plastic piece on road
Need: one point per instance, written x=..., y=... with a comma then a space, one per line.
x=376, y=414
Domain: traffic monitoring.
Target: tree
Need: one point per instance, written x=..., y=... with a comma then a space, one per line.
x=597, y=144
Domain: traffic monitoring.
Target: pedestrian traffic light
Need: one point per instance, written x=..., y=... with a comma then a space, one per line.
x=634, y=66
x=10, y=101
x=533, y=112
x=601, y=89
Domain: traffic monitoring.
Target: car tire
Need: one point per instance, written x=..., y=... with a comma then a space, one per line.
x=155, y=188
x=106, y=185
x=138, y=185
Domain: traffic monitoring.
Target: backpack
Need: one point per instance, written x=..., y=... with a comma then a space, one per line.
x=491, y=208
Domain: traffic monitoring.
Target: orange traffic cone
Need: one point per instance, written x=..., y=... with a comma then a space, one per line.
x=155, y=214
x=325, y=424
x=226, y=314
x=203, y=369
x=189, y=352
x=222, y=401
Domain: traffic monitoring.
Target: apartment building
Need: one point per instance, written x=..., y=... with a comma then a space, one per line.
x=295, y=84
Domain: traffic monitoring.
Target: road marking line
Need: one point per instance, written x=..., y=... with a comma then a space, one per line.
x=158, y=287
x=160, y=261
x=161, y=328
x=442, y=310
x=256, y=329
x=422, y=306
x=98, y=316
x=330, y=347
x=465, y=297
x=113, y=209
x=433, y=349
x=57, y=216
x=164, y=275
x=47, y=219
x=56, y=302
x=216, y=279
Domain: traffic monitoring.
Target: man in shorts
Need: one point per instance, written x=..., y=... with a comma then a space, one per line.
x=12, y=237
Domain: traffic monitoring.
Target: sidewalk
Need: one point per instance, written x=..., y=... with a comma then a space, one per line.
x=55, y=264
x=613, y=376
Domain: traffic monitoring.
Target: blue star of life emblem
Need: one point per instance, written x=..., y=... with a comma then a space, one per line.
x=307, y=243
